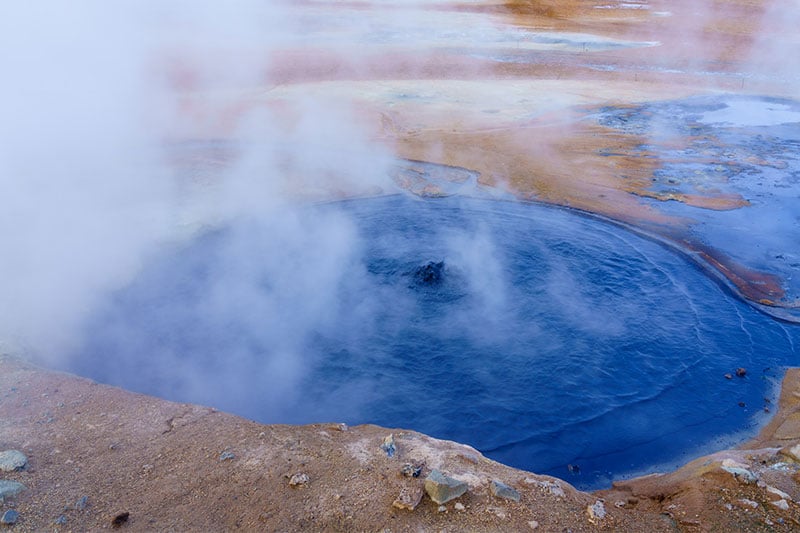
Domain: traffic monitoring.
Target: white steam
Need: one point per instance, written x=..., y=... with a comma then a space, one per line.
x=92, y=102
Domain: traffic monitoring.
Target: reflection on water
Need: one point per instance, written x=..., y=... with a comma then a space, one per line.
x=547, y=338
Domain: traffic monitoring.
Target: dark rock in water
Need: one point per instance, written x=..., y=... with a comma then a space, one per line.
x=430, y=273
x=741, y=372
x=442, y=488
x=9, y=517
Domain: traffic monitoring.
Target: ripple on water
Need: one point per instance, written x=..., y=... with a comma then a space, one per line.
x=548, y=338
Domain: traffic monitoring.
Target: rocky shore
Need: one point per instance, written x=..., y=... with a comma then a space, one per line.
x=81, y=456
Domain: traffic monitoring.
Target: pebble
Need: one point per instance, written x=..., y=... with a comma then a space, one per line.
x=409, y=498
x=12, y=460
x=781, y=504
x=501, y=490
x=61, y=520
x=80, y=505
x=741, y=372
x=9, y=517
x=459, y=506
x=596, y=511
x=739, y=471
x=10, y=488
x=442, y=488
x=533, y=524
x=226, y=456
x=388, y=445
x=299, y=479
x=748, y=503
x=411, y=470
x=553, y=487
x=442, y=509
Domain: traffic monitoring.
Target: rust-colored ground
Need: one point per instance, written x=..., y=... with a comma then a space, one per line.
x=520, y=112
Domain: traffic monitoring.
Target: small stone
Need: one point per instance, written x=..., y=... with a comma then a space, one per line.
x=552, y=487
x=741, y=372
x=409, y=498
x=442, y=488
x=741, y=474
x=411, y=470
x=10, y=488
x=442, y=509
x=299, y=479
x=533, y=524
x=498, y=512
x=12, y=460
x=778, y=492
x=9, y=518
x=501, y=490
x=596, y=511
x=226, y=456
x=459, y=506
x=61, y=520
x=80, y=505
x=781, y=504
x=388, y=445
x=742, y=404
x=748, y=503
x=793, y=452
x=728, y=376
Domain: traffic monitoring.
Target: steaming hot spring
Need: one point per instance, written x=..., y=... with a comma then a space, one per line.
x=549, y=340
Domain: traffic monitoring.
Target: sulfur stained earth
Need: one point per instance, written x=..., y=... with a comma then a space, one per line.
x=521, y=93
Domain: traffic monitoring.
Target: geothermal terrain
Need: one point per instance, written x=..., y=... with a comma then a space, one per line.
x=133, y=133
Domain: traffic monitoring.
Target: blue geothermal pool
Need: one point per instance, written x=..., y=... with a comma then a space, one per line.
x=548, y=340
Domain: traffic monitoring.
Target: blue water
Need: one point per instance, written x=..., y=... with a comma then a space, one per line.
x=546, y=339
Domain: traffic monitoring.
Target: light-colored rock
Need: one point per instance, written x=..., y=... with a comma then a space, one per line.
x=10, y=488
x=12, y=460
x=299, y=479
x=551, y=487
x=459, y=506
x=793, y=452
x=501, y=490
x=533, y=524
x=781, y=504
x=739, y=471
x=596, y=511
x=442, y=488
x=388, y=445
x=748, y=503
x=409, y=498
x=778, y=492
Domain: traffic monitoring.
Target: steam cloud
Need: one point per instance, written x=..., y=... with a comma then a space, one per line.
x=93, y=100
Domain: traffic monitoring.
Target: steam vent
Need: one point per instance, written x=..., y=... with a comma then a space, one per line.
x=400, y=266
